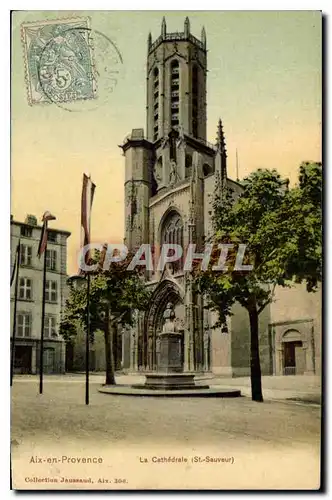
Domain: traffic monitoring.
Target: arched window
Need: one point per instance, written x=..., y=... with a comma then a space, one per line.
x=194, y=91
x=172, y=232
x=175, y=93
x=155, y=103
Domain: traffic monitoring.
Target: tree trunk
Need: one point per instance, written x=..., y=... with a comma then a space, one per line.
x=255, y=366
x=114, y=331
x=110, y=377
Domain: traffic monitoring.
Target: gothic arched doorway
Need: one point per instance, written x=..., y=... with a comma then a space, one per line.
x=167, y=291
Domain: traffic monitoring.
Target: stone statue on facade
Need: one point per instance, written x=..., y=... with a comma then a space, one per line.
x=181, y=140
x=172, y=173
x=157, y=172
x=164, y=142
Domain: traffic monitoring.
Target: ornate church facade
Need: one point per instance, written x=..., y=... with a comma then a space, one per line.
x=171, y=174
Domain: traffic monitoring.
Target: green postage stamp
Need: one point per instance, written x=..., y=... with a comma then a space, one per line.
x=58, y=60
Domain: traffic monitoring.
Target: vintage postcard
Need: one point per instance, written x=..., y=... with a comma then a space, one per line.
x=166, y=250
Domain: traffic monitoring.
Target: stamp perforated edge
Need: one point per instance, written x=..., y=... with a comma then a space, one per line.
x=42, y=22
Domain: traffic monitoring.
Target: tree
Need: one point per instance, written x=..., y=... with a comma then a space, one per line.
x=281, y=229
x=114, y=294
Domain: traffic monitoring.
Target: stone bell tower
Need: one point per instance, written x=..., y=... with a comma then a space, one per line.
x=176, y=97
x=139, y=157
x=167, y=170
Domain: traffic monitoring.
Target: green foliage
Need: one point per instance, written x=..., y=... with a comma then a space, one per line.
x=304, y=212
x=281, y=228
x=118, y=290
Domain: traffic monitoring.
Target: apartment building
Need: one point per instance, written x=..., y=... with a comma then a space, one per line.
x=29, y=298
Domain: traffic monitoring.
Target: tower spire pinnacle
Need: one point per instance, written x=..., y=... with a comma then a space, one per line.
x=149, y=41
x=221, y=153
x=221, y=138
x=203, y=37
x=163, y=27
x=186, y=27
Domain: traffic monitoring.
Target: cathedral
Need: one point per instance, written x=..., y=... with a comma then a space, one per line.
x=171, y=175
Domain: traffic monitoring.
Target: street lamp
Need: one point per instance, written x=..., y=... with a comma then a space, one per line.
x=78, y=281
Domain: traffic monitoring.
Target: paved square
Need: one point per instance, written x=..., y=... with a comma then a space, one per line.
x=233, y=427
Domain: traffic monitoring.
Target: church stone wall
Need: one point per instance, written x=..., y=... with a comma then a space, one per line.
x=221, y=362
x=177, y=198
x=240, y=341
x=209, y=185
x=240, y=333
x=295, y=304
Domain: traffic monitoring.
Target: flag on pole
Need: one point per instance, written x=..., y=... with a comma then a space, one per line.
x=16, y=263
x=43, y=237
x=86, y=205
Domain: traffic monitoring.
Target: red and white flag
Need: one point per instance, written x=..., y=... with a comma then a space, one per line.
x=43, y=237
x=86, y=205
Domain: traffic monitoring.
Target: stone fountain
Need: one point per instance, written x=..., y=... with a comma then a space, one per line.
x=169, y=380
x=169, y=375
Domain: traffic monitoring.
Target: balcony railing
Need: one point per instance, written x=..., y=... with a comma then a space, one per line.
x=174, y=118
x=176, y=36
x=207, y=143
